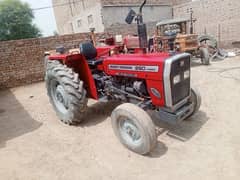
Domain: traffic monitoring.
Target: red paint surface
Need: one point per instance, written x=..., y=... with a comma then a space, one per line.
x=79, y=64
x=104, y=51
x=153, y=79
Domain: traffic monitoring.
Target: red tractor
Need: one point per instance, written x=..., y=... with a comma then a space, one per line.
x=142, y=82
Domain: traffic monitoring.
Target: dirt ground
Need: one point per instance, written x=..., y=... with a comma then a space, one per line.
x=34, y=144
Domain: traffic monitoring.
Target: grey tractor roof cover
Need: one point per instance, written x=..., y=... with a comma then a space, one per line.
x=172, y=21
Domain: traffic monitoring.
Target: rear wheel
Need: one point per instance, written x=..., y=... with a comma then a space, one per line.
x=134, y=128
x=205, y=56
x=66, y=92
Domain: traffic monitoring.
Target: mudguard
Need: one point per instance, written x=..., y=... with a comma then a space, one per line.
x=79, y=64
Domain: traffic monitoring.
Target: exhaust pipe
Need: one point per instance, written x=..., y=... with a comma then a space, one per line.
x=142, y=28
x=140, y=11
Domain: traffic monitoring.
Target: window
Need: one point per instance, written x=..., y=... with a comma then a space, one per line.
x=90, y=19
x=79, y=23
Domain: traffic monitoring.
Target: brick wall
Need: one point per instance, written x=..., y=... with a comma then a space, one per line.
x=219, y=18
x=21, y=61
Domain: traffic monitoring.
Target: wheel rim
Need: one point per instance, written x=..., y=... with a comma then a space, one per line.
x=59, y=96
x=129, y=131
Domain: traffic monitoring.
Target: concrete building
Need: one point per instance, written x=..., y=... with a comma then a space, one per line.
x=77, y=16
x=219, y=18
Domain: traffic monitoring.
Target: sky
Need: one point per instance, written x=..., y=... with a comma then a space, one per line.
x=44, y=18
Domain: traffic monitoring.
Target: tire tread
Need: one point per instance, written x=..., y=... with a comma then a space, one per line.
x=73, y=87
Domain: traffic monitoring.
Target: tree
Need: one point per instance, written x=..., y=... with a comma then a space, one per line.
x=16, y=21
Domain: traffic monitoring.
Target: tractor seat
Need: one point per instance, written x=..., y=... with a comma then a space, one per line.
x=90, y=53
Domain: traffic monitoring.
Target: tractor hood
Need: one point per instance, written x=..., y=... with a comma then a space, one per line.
x=144, y=66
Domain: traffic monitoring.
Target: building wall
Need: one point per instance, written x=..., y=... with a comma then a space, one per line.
x=22, y=62
x=89, y=14
x=177, y=2
x=126, y=29
x=134, y=2
x=150, y=14
x=62, y=16
x=219, y=18
x=72, y=16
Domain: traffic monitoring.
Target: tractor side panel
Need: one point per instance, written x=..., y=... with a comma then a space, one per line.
x=146, y=67
x=156, y=92
x=79, y=64
x=149, y=67
x=133, y=69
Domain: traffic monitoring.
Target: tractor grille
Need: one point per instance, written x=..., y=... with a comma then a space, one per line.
x=180, y=70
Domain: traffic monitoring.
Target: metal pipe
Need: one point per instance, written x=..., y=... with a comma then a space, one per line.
x=140, y=18
x=141, y=7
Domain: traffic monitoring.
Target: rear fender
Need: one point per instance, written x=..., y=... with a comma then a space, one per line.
x=79, y=65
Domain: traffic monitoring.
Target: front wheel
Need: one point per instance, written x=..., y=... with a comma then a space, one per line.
x=196, y=100
x=134, y=128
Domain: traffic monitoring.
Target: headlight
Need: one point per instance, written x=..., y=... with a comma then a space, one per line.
x=187, y=74
x=176, y=79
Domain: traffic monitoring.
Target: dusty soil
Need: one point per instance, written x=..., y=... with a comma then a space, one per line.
x=35, y=145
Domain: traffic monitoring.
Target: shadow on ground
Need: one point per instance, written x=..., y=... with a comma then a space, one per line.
x=98, y=112
x=14, y=119
x=184, y=130
x=195, y=62
x=158, y=151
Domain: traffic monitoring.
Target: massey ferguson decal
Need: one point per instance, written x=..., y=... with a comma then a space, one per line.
x=134, y=68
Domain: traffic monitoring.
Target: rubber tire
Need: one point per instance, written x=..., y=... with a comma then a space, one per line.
x=196, y=100
x=74, y=90
x=205, y=56
x=144, y=124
